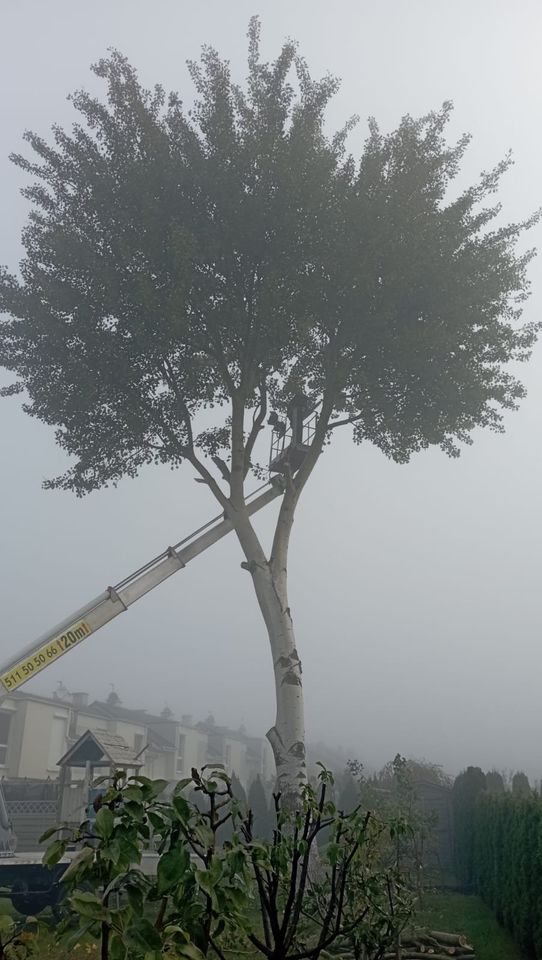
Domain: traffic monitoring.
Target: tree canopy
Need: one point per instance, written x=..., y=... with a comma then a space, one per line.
x=225, y=256
x=520, y=785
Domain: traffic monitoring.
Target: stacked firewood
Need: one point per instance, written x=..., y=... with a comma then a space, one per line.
x=421, y=944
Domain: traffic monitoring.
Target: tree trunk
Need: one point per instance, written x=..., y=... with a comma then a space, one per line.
x=287, y=736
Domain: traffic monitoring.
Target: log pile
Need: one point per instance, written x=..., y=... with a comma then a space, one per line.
x=421, y=944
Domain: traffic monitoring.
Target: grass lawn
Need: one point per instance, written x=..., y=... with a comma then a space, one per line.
x=452, y=912
x=457, y=913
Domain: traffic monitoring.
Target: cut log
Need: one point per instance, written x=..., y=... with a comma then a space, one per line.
x=408, y=954
x=452, y=939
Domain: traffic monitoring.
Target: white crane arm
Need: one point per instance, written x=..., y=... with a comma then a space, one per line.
x=68, y=634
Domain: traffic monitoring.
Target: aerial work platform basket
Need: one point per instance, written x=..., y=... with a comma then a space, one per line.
x=290, y=444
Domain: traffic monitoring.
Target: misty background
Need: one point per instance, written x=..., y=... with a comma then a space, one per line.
x=425, y=578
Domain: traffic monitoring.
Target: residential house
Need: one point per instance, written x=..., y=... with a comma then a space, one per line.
x=36, y=731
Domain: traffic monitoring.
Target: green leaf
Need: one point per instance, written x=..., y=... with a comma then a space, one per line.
x=54, y=853
x=238, y=897
x=130, y=852
x=157, y=787
x=88, y=905
x=104, y=823
x=112, y=852
x=143, y=935
x=215, y=870
x=81, y=859
x=190, y=951
x=134, y=810
x=182, y=784
x=204, y=835
x=172, y=867
x=222, y=775
x=182, y=809
x=332, y=852
x=135, y=898
x=49, y=833
x=204, y=881
x=133, y=793
x=175, y=928
x=156, y=822
x=117, y=949
x=99, y=780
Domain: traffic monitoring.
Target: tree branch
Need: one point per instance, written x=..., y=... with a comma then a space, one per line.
x=237, y=450
x=267, y=951
x=214, y=352
x=216, y=949
x=257, y=424
x=285, y=519
x=181, y=403
x=341, y=423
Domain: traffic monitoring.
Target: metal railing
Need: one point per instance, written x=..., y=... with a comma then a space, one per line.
x=281, y=441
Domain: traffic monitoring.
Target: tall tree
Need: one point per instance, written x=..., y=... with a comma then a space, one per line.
x=467, y=789
x=225, y=832
x=189, y=271
x=494, y=782
x=520, y=785
x=238, y=791
x=350, y=787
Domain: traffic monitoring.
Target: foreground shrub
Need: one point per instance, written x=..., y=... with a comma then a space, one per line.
x=279, y=895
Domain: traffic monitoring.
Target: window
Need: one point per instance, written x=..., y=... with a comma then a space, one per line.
x=5, y=720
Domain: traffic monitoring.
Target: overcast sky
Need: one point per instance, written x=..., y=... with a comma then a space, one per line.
x=424, y=578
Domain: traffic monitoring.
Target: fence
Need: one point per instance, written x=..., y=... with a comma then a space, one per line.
x=30, y=818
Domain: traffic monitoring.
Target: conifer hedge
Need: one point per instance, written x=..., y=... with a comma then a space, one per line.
x=504, y=852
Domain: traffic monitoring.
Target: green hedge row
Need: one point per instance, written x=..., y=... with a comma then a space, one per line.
x=499, y=853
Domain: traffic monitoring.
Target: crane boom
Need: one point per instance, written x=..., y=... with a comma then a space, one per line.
x=70, y=632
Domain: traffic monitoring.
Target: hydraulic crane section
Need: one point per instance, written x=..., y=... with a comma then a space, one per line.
x=68, y=634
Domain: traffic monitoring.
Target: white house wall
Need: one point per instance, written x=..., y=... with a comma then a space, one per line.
x=39, y=730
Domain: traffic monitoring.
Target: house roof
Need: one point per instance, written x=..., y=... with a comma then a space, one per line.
x=115, y=711
x=39, y=697
x=214, y=730
x=101, y=749
x=101, y=708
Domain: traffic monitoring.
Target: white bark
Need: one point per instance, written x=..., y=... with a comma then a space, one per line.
x=287, y=736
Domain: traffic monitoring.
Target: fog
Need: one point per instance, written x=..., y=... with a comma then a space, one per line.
x=424, y=578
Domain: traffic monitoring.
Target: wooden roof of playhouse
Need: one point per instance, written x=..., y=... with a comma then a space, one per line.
x=101, y=749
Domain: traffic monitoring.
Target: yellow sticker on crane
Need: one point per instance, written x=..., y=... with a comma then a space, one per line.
x=21, y=672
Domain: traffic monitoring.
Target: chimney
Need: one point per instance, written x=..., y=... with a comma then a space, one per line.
x=80, y=700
